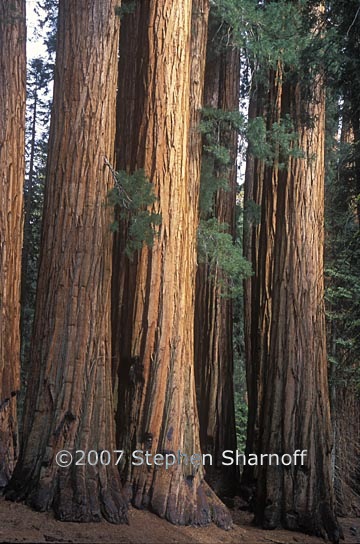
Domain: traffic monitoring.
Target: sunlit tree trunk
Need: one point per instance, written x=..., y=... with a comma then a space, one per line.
x=12, y=167
x=69, y=401
x=161, y=414
x=214, y=313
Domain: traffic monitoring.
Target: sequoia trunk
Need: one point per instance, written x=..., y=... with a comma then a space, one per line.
x=69, y=400
x=213, y=313
x=12, y=167
x=160, y=414
x=260, y=198
x=295, y=414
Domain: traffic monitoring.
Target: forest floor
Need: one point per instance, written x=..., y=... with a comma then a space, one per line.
x=18, y=523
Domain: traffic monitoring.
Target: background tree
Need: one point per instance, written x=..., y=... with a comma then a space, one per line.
x=289, y=407
x=343, y=247
x=69, y=398
x=214, y=309
x=261, y=181
x=38, y=114
x=12, y=166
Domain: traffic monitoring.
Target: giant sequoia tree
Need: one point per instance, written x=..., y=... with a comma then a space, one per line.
x=291, y=375
x=295, y=408
x=158, y=411
x=12, y=165
x=69, y=400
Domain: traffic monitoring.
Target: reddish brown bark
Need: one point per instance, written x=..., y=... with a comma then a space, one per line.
x=159, y=408
x=12, y=167
x=69, y=400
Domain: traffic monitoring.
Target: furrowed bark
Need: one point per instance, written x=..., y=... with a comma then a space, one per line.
x=296, y=411
x=69, y=400
x=161, y=414
x=261, y=182
x=12, y=170
x=286, y=351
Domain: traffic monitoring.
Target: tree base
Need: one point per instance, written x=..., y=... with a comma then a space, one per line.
x=76, y=500
x=8, y=440
x=225, y=486
x=189, y=501
x=321, y=523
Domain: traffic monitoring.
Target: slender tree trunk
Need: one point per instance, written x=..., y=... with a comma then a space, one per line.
x=213, y=311
x=12, y=168
x=261, y=182
x=296, y=411
x=161, y=414
x=69, y=401
x=132, y=91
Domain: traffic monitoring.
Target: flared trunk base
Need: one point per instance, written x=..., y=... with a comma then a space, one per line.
x=321, y=523
x=70, y=500
x=188, y=502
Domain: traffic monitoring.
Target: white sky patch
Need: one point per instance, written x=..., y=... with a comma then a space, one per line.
x=35, y=45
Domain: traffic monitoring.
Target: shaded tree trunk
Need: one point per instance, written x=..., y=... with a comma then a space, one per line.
x=12, y=167
x=345, y=402
x=133, y=49
x=260, y=191
x=69, y=400
x=159, y=406
x=347, y=451
x=295, y=412
x=213, y=309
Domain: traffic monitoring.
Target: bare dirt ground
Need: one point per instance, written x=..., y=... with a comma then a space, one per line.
x=18, y=523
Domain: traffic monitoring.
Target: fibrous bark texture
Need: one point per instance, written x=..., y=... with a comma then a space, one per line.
x=69, y=401
x=12, y=167
x=213, y=310
x=295, y=412
x=157, y=406
x=285, y=329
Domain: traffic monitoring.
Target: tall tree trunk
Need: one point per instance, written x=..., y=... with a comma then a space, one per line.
x=213, y=309
x=296, y=411
x=160, y=405
x=260, y=204
x=12, y=168
x=69, y=401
